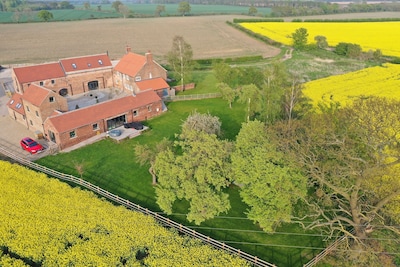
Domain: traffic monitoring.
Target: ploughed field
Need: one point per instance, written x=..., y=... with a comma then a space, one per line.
x=209, y=36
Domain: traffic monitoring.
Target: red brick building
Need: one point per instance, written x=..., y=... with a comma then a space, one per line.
x=70, y=128
x=136, y=73
x=42, y=91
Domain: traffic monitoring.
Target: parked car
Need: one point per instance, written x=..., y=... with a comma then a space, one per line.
x=31, y=145
x=135, y=125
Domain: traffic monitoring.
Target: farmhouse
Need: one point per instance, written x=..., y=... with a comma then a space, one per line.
x=47, y=95
x=137, y=73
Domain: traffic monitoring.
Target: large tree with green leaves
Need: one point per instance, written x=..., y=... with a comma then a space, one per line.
x=45, y=15
x=180, y=58
x=147, y=154
x=116, y=5
x=300, y=38
x=352, y=158
x=195, y=170
x=270, y=186
x=184, y=8
x=229, y=94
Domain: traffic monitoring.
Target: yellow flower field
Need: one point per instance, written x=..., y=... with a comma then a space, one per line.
x=379, y=81
x=369, y=35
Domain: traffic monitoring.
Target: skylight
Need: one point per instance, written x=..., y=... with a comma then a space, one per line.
x=74, y=65
x=18, y=105
x=100, y=62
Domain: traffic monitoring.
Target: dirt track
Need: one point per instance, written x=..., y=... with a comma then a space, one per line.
x=209, y=36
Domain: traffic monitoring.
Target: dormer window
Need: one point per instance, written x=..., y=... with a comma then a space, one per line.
x=74, y=65
x=100, y=62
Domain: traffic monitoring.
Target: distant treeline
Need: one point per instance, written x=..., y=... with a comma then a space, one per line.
x=279, y=8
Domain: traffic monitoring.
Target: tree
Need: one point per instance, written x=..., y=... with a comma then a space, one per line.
x=124, y=10
x=268, y=184
x=226, y=74
x=116, y=5
x=180, y=59
x=252, y=10
x=146, y=154
x=86, y=5
x=159, y=10
x=300, y=38
x=352, y=158
x=276, y=81
x=184, y=8
x=227, y=93
x=251, y=95
x=196, y=171
x=321, y=41
x=66, y=5
x=201, y=123
x=348, y=50
x=45, y=15
x=17, y=16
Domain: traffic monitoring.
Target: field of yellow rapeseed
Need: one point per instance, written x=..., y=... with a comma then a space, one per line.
x=381, y=81
x=369, y=35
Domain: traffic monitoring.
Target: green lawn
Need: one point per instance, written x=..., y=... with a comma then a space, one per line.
x=112, y=166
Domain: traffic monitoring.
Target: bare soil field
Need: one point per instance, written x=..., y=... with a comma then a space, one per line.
x=209, y=36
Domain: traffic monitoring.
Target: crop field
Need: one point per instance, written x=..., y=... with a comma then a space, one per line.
x=209, y=36
x=369, y=35
x=378, y=81
x=172, y=9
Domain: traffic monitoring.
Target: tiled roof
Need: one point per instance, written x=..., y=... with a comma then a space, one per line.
x=39, y=72
x=154, y=84
x=80, y=117
x=35, y=94
x=15, y=104
x=85, y=62
x=130, y=64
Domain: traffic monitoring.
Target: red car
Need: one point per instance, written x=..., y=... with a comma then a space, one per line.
x=31, y=145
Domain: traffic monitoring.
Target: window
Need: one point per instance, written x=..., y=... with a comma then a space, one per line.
x=149, y=108
x=72, y=134
x=93, y=85
x=37, y=113
x=135, y=113
x=95, y=127
x=138, y=78
x=27, y=108
x=41, y=83
x=53, y=81
x=51, y=99
x=30, y=122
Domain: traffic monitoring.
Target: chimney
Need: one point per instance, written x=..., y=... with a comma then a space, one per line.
x=128, y=49
x=149, y=57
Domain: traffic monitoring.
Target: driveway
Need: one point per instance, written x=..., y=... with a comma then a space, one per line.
x=11, y=132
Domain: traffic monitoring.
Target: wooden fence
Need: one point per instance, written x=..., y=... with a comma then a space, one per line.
x=162, y=220
x=325, y=252
x=191, y=97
